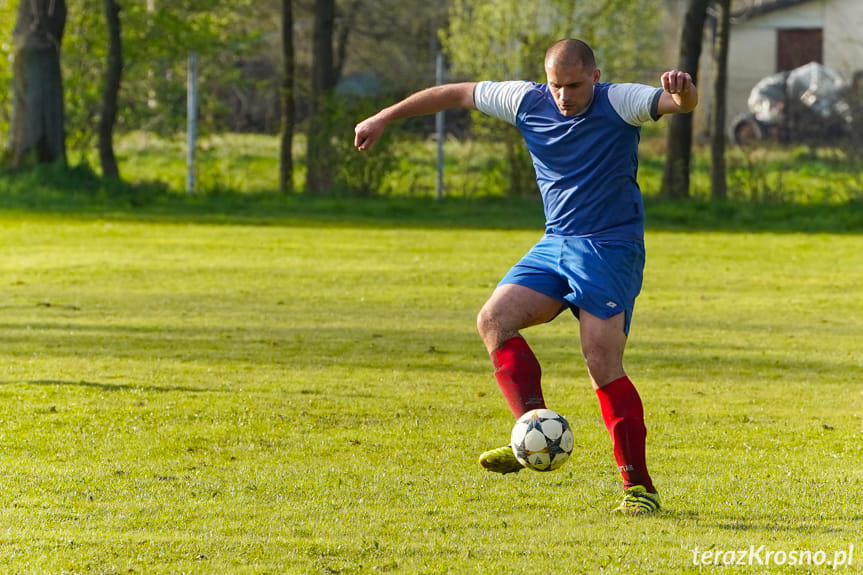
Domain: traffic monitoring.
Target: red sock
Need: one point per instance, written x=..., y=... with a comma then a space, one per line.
x=624, y=418
x=518, y=375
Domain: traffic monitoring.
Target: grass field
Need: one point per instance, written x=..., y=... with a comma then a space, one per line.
x=308, y=395
x=249, y=163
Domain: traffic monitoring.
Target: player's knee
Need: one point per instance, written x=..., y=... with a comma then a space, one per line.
x=491, y=328
x=603, y=364
x=485, y=321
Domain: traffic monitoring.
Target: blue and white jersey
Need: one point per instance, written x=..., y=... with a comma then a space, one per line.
x=586, y=165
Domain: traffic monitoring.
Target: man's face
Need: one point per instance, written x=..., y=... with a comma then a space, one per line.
x=571, y=86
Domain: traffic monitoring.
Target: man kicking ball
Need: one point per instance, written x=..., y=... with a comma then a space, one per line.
x=583, y=137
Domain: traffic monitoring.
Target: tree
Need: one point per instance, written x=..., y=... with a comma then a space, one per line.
x=156, y=39
x=37, y=103
x=318, y=170
x=719, y=183
x=113, y=76
x=675, y=178
x=390, y=44
x=286, y=161
x=7, y=22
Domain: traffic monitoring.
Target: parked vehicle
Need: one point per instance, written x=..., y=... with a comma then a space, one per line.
x=809, y=104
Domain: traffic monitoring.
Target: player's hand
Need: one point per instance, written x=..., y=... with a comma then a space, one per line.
x=679, y=94
x=368, y=132
x=676, y=82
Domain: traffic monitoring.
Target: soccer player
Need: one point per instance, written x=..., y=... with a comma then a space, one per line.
x=583, y=138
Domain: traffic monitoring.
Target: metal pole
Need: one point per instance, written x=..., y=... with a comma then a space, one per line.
x=191, y=120
x=439, y=127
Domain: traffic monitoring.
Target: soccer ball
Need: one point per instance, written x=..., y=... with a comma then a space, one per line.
x=541, y=440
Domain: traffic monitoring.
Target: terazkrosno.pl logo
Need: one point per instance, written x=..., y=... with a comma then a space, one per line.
x=756, y=555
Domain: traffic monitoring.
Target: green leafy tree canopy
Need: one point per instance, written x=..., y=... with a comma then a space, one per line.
x=507, y=39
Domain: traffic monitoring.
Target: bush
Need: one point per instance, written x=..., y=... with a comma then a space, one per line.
x=353, y=173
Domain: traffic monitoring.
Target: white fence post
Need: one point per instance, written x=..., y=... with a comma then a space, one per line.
x=439, y=127
x=191, y=121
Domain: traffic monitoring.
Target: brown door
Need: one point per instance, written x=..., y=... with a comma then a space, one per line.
x=798, y=46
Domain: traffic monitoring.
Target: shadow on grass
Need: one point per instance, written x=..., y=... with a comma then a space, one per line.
x=114, y=387
x=773, y=525
x=79, y=192
x=767, y=524
x=321, y=347
x=111, y=387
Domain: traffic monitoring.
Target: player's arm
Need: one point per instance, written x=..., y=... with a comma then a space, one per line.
x=428, y=101
x=679, y=94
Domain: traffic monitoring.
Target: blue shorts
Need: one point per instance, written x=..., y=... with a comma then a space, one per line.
x=602, y=277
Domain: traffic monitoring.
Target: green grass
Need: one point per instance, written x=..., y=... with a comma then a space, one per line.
x=79, y=191
x=285, y=385
x=473, y=169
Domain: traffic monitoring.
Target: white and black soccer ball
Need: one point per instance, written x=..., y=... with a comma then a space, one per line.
x=541, y=440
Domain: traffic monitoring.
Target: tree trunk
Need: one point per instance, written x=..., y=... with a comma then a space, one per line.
x=348, y=22
x=37, y=102
x=521, y=178
x=675, y=178
x=113, y=76
x=286, y=159
x=319, y=171
x=718, y=181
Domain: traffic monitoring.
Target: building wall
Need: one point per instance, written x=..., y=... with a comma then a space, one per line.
x=843, y=37
x=752, y=49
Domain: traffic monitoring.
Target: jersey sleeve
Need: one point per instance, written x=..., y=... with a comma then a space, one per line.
x=500, y=99
x=637, y=104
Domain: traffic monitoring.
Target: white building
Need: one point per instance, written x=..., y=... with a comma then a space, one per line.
x=772, y=36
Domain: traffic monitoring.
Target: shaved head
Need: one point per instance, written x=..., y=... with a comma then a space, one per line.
x=570, y=52
x=571, y=71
